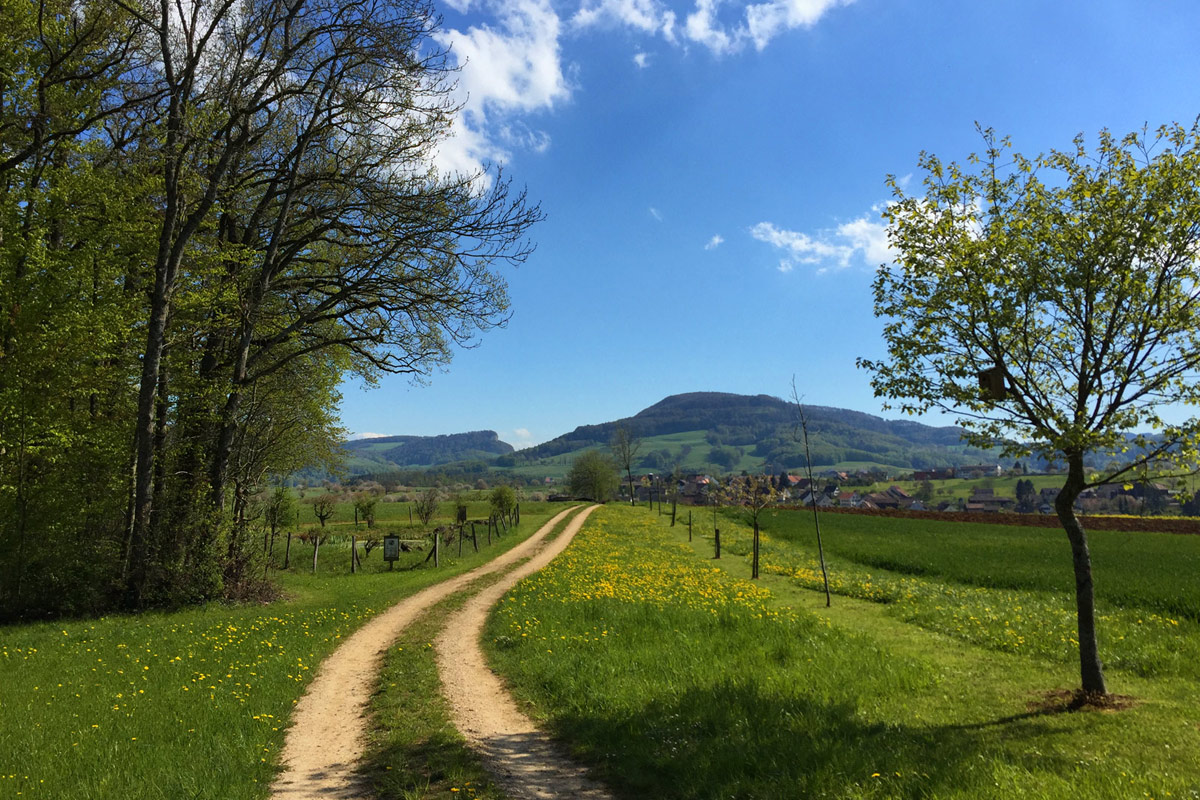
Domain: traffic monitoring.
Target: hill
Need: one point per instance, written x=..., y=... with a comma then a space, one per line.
x=384, y=453
x=734, y=432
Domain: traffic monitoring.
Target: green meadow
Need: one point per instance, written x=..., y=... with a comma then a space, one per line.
x=943, y=675
x=943, y=668
x=193, y=703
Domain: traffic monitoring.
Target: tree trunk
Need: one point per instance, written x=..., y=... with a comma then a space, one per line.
x=1090, y=668
x=353, y=552
x=754, y=564
x=219, y=468
x=143, y=479
x=287, y=552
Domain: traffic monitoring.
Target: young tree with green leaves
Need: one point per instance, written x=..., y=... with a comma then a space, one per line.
x=427, y=504
x=593, y=475
x=323, y=507
x=753, y=494
x=1053, y=304
x=503, y=501
x=279, y=513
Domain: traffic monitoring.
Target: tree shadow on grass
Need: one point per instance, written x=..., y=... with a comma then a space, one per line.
x=741, y=741
x=425, y=767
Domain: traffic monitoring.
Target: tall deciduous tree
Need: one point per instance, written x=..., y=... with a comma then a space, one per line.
x=625, y=446
x=1053, y=303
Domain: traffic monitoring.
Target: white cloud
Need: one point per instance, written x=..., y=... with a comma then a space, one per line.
x=647, y=16
x=868, y=236
x=765, y=21
x=803, y=248
x=702, y=27
x=521, y=438
x=760, y=22
x=518, y=134
x=864, y=238
x=714, y=242
x=507, y=71
x=356, y=436
x=654, y=212
x=511, y=66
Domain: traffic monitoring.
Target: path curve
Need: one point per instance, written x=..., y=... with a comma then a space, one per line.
x=525, y=761
x=325, y=743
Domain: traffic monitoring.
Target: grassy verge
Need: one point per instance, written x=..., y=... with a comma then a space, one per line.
x=1002, y=588
x=193, y=703
x=677, y=678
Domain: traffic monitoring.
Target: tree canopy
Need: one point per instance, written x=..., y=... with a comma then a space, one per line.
x=1053, y=304
x=593, y=475
x=213, y=213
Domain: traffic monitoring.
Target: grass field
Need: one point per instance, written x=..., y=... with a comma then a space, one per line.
x=961, y=488
x=674, y=676
x=191, y=704
x=671, y=673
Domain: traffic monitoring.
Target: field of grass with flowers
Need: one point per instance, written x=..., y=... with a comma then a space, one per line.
x=1002, y=587
x=188, y=704
x=674, y=676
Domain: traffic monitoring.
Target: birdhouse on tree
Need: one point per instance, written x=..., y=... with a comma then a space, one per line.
x=991, y=383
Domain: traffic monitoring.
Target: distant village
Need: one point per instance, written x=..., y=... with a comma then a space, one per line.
x=860, y=490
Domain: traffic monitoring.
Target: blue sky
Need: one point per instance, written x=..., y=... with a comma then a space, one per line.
x=712, y=173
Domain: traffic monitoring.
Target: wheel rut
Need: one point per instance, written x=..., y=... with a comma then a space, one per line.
x=324, y=746
x=526, y=762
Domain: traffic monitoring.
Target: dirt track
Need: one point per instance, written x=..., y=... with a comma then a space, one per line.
x=326, y=740
x=524, y=760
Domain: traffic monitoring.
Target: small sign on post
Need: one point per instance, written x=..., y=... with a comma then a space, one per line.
x=391, y=550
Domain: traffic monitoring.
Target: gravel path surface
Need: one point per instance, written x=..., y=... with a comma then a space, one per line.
x=526, y=763
x=325, y=743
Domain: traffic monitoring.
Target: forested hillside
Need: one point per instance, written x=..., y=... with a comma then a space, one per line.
x=766, y=428
x=424, y=451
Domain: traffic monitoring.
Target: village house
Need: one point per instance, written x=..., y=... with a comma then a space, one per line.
x=979, y=471
x=933, y=474
x=988, y=502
